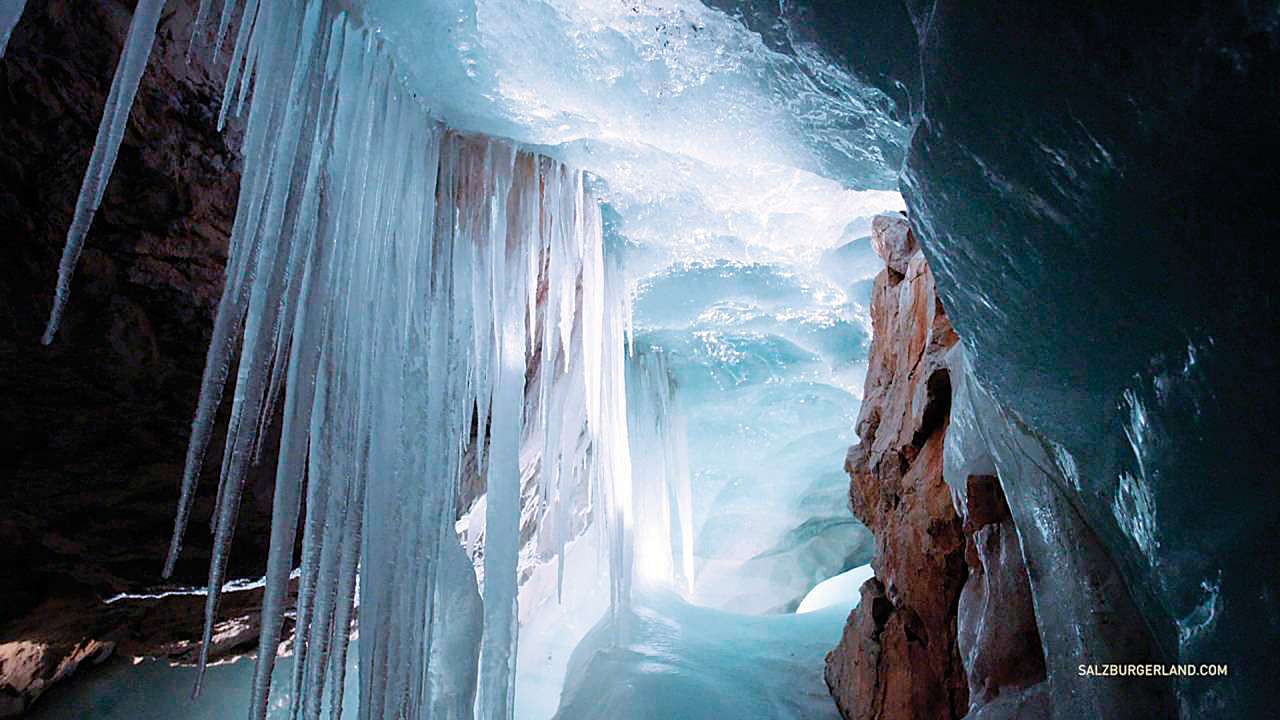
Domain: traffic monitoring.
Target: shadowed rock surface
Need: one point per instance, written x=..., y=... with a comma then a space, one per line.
x=97, y=423
x=996, y=620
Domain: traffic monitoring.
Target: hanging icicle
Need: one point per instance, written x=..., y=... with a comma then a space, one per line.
x=133, y=61
x=664, y=500
x=390, y=286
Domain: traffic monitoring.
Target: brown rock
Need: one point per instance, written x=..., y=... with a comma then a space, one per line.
x=898, y=657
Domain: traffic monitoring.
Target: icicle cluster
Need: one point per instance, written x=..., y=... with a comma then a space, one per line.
x=401, y=296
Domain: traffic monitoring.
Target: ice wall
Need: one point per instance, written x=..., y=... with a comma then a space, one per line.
x=1102, y=234
x=769, y=362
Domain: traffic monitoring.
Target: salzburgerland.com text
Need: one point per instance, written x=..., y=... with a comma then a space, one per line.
x=1152, y=670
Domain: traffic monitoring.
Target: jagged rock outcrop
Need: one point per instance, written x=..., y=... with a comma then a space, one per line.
x=898, y=657
x=947, y=627
x=96, y=424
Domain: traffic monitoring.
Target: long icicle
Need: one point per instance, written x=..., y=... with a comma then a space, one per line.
x=124, y=86
x=393, y=283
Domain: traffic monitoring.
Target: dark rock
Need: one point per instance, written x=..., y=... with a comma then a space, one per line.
x=97, y=423
x=997, y=635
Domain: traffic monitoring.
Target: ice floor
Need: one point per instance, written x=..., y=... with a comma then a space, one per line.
x=675, y=661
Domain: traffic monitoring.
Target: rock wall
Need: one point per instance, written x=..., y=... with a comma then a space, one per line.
x=996, y=629
x=947, y=627
x=96, y=424
x=898, y=657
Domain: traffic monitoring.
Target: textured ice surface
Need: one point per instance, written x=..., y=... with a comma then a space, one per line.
x=769, y=361
x=712, y=143
x=677, y=660
x=1128, y=348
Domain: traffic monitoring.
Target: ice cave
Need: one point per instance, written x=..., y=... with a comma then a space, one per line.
x=638, y=359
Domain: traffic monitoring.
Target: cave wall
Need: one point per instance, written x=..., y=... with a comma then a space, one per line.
x=947, y=627
x=1093, y=187
x=96, y=424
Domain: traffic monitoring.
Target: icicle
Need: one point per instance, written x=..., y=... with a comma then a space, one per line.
x=237, y=71
x=303, y=366
x=10, y=14
x=242, y=261
x=502, y=518
x=133, y=61
x=389, y=284
x=202, y=19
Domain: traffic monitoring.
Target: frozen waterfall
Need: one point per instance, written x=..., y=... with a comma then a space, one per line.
x=391, y=283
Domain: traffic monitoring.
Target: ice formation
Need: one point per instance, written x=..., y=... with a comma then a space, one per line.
x=769, y=360
x=677, y=660
x=389, y=281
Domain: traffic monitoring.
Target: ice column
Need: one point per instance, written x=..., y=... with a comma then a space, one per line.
x=660, y=465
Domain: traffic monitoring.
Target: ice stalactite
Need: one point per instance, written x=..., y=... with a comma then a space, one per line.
x=410, y=294
x=133, y=61
x=10, y=14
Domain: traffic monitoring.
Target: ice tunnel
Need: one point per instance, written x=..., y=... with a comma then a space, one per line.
x=637, y=359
